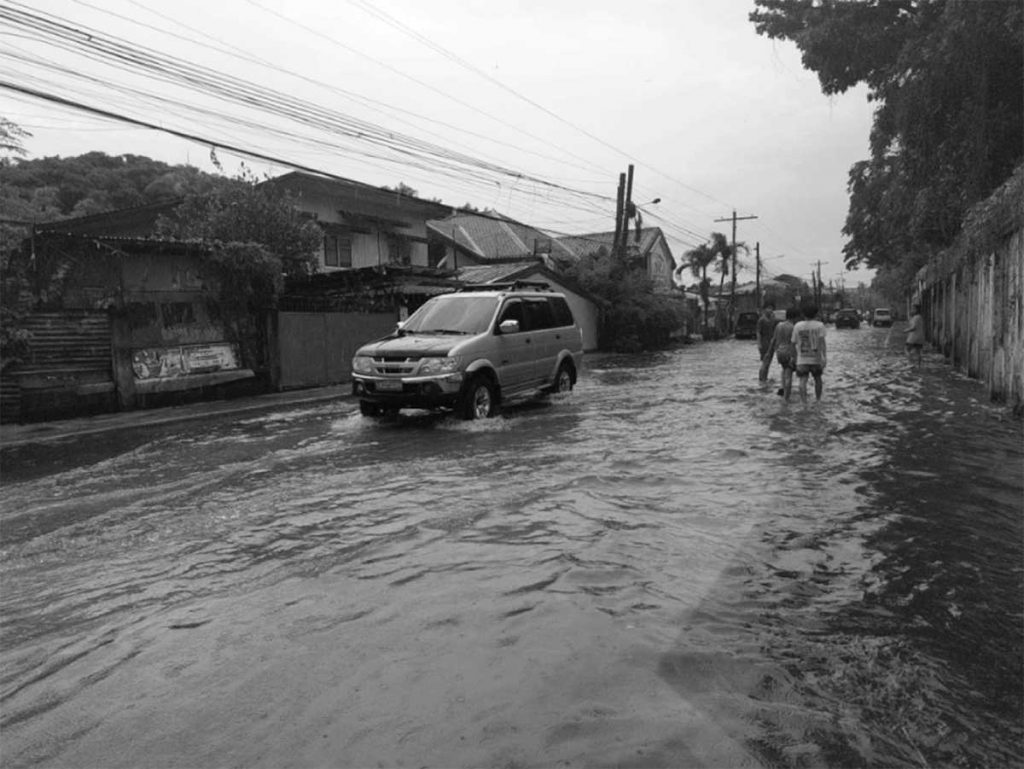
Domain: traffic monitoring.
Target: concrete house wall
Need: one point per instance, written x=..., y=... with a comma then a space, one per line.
x=383, y=227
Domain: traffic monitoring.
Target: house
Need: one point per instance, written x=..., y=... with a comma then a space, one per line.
x=586, y=309
x=647, y=244
x=371, y=235
x=116, y=323
x=469, y=238
x=363, y=225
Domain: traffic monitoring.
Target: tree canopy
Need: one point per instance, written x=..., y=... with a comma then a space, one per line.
x=947, y=76
x=243, y=211
x=635, y=317
x=49, y=188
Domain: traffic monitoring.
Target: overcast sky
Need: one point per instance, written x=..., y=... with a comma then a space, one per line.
x=529, y=107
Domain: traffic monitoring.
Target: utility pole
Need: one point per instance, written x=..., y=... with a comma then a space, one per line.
x=757, y=283
x=628, y=210
x=734, y=219
x=620, y=200
x=818, y=298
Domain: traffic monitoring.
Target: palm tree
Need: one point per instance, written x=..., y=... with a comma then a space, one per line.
x=698, y=259
x=725, y=253
x=721, y=253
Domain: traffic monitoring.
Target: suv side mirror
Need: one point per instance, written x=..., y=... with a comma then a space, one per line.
x=508, y=327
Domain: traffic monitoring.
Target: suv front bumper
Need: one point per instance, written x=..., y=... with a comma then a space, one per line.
x=415, y=392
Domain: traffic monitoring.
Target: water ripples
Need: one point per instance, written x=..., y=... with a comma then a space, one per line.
x=670, y=567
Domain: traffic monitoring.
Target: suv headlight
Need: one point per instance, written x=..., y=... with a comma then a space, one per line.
x=439, y=365
x=362, y=364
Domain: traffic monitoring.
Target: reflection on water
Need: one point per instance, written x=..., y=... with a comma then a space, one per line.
x=670, y=567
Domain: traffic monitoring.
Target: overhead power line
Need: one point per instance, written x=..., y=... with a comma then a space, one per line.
x=392, y=21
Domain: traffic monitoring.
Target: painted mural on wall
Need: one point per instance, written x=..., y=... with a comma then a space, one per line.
x=172, y=362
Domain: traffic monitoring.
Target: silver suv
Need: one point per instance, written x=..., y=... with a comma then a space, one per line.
x=471, y=351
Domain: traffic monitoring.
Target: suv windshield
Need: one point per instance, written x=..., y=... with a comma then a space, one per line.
x=452, y=315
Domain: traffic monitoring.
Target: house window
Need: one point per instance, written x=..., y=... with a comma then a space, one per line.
x=436, y=252
x=338, y=249
x=399, y=250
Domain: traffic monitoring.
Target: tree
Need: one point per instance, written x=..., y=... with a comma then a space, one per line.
x=697, y=260
x=257, y=238
x=97, y=182
x=725, y=254
x=636, y=318
x=242, y=210
x=403, y=189
x=947, y=76
x=11, y=135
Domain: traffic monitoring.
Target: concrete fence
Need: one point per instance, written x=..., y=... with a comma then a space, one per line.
x=972, y=299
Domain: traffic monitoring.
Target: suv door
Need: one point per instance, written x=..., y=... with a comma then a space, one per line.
x=515, y=351
x=540, y=319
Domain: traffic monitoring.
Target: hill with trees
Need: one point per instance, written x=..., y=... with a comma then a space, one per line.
x=51, y=188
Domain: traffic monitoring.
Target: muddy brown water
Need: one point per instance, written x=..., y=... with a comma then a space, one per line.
x=668, y=568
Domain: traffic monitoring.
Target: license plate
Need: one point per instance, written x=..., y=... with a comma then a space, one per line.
x=389, y=385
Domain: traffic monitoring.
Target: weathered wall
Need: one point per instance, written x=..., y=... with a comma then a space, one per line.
x=316, y=348
x=972, y=298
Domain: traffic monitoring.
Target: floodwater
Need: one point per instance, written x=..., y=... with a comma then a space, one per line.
x=668, y=568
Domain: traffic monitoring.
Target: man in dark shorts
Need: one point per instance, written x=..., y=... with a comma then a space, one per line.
x=785, y=350
x=765, y=329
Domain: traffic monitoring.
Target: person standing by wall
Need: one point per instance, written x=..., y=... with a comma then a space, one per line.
x=809, y=338
x=765, y=331
x=915, y=336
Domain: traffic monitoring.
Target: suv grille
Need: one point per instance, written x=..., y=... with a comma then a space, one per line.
x=397, y=366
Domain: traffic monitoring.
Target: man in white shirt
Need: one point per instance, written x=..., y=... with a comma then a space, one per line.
x=809, y=339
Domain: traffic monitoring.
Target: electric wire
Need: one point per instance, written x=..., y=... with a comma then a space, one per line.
x=171, y=71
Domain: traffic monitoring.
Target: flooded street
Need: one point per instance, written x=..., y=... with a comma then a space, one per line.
x=669, y=568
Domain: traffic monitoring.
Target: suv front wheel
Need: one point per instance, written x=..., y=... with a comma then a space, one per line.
x=563, y=379
x=479, y=401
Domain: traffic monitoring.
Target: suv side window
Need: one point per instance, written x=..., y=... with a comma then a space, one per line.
x=538, y=314
x=560, y=308
x=513, y=310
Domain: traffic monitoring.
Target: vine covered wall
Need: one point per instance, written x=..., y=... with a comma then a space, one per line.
x=972, y=296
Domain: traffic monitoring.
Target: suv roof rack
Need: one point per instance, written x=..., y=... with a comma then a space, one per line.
x=513, y=285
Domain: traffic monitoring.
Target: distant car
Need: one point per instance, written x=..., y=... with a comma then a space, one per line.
x=847, y=318
x=882, y=316
x=746, y=325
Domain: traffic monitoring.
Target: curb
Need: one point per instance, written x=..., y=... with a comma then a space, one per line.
x=12, y=436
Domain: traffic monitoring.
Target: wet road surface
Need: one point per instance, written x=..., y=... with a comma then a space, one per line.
x=668, y=568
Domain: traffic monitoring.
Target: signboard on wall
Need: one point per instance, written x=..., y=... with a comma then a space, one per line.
x=172, y=362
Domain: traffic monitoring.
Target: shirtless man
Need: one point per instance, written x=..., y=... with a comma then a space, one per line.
x=809, y=338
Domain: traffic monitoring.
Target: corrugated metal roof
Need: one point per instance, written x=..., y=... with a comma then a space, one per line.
x=582, y=245
x=493, y=236
x=495, y=273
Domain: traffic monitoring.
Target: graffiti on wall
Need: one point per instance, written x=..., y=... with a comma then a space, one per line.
x=171, y=362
